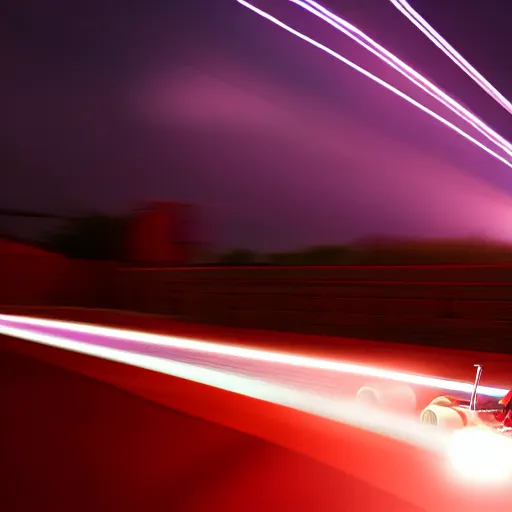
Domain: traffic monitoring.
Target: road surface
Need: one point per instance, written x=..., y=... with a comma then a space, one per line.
x=72, y=443
x=351, y=451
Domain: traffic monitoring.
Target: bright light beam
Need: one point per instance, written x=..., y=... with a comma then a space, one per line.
x=392, y=60
x=413, y=16
x=347, y=412
x=253, y=354
x=481, y=455
x=376, y=79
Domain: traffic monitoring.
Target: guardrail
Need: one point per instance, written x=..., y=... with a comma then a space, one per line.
x=462, y=307
x=461, y=314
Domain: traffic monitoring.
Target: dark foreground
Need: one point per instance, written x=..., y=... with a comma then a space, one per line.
x=71, y=443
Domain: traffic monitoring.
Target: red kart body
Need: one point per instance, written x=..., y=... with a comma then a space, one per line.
x=453, y=413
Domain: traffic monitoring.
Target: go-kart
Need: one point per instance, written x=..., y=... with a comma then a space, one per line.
x=453, y=413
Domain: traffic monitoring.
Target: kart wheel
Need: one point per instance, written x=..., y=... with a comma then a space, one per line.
x=443, y=417
x=442, y=401
x=390, y=397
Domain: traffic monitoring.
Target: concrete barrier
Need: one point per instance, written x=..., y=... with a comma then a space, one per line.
x=465, y=307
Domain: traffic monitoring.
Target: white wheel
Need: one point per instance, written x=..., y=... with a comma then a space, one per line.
x=443, y=401
x=440, y=416
x=368, y=396
x=391, y=397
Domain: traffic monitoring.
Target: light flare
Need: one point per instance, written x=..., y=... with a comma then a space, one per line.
x=414, y=17
x=376, y=79
x=253, y=354
x=405, y=70
x=481, y=455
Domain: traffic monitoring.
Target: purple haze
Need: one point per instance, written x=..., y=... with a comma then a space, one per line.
x=281, y=145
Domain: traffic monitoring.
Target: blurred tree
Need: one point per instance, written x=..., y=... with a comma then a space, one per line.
x=319, y=255
x=462, y=251
x=91, y=237
x=239, y=257
x=393, y=251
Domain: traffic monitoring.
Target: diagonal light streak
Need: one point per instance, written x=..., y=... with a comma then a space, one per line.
x=376, y=79
x=348, y=412
x=252, y=354
x=411, y=74
x=404, y=7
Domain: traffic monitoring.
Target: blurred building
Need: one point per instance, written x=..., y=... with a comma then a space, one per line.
x=163, y=234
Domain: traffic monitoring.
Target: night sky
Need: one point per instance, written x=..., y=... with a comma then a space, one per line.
x=108, y=103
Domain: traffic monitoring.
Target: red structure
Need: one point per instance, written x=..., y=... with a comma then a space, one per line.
x=163, y=234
